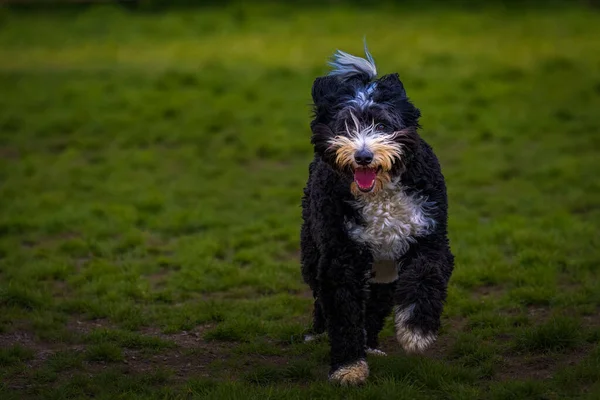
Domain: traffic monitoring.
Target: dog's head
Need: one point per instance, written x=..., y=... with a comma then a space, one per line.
x=365, y=128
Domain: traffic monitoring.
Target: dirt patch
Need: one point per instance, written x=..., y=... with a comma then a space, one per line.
x=485, y=291
x=591, y=321
x=184, y=339
x=9, y=153
x=446, y=340
x=20, y=336
x=85, y=326
x=158, y=279
x=49, y=241
x=81, y=262
x=537, y=367
x=191, y=357
x=41, y=350
x=194, y=357
x=539, y=314
x=183, y=364
x=520, y=366
x=60, y=289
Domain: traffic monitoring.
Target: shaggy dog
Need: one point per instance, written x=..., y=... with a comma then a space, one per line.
x=374, y=232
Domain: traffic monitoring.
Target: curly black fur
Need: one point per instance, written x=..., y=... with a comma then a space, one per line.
x=348, y=305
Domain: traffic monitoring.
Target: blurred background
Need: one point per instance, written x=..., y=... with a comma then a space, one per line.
x=153, y=155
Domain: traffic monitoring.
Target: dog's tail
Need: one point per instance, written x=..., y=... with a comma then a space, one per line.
x=347, y=66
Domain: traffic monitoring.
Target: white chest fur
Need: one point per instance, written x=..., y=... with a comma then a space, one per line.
x=392, y=220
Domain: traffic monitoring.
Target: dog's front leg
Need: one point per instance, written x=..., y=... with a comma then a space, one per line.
x=343, y=282
x=420, y=295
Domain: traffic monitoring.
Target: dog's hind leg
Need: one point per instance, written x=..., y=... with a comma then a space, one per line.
x=318, y=328
x=379, y=306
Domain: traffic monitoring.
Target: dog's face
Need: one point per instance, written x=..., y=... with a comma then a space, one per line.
x=366, y=129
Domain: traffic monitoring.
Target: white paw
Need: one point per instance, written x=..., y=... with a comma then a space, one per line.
x=412, y=340
x=352, y=374
x=375, y=352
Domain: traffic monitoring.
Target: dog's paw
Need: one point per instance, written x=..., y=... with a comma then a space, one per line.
x=413, y=340
x=375, y=352
x=351, y=374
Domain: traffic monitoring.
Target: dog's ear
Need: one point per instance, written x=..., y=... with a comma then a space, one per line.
x=323, y=88
x=321, y=134
x=390, y=86
x=390, y=90
x=325, y=95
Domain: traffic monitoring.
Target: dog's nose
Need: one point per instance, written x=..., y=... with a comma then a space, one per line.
x=363, y=157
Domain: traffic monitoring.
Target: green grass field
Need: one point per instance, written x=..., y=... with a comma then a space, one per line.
x=151, y=169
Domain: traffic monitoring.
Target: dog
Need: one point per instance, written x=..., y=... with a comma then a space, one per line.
x=374, y=210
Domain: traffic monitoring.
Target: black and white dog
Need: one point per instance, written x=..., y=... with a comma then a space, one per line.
x=374, y=232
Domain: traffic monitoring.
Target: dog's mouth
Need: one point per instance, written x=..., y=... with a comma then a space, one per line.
x=365, y=178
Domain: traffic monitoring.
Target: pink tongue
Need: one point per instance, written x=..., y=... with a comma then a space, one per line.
x=364, y=177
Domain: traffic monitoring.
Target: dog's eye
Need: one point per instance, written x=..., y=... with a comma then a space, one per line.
x=380, y=127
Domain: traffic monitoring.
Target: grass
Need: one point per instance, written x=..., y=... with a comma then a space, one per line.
x=152, y=167
x=556, y=334
x=107, y=352
x=14, y=354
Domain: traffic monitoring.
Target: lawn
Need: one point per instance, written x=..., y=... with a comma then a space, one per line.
x=151, y=170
